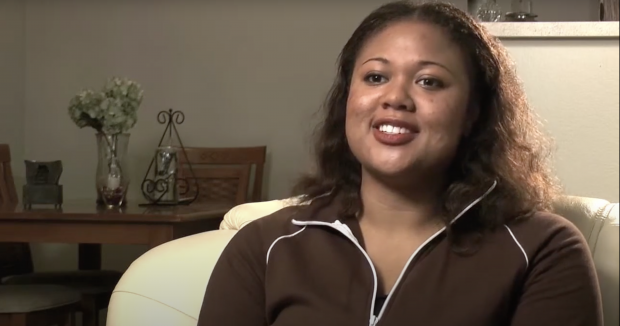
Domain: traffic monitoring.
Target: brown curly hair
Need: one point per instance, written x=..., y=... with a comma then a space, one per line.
x=505, y=143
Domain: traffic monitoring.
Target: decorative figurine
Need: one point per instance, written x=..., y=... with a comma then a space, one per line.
x=163, y=187
x=42, y=186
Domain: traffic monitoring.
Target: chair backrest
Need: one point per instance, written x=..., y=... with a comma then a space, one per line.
x=221, y=184
x=15, y=258
x=232, y=168
x=599, y=222
x=166, y=285
x=8, y=194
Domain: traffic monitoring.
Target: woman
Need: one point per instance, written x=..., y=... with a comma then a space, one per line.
x=430, y=203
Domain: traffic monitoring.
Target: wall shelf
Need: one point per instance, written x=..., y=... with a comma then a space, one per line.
x=554, y=29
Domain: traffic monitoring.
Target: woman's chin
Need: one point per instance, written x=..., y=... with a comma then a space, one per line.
x=390, y=170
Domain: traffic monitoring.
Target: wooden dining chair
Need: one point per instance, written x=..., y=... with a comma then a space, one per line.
x=221, y=184
x=224, y=174
x=27, y=305
x=8, y=194
x=95, y=287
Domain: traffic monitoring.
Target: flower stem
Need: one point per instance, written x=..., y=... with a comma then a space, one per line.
x=112, y=152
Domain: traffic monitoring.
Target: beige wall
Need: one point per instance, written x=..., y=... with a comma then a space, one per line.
x=12, y=59
x=573, y=84
x=252, y=74
x=244, y=74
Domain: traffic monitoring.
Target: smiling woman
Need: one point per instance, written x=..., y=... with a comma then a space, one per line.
x=430, y=203
x=408, y=74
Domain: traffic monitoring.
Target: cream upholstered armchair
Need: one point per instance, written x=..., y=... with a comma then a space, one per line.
x=165, y=286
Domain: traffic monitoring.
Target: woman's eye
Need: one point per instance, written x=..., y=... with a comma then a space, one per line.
x=431, y=83
x=375, y=79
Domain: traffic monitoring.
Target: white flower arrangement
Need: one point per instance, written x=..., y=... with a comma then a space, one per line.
x=111, y=111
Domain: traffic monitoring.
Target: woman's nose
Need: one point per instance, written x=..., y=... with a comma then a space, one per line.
x=397, y=97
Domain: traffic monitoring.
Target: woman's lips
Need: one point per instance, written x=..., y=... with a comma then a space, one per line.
x=393, y=139
x=394, y=132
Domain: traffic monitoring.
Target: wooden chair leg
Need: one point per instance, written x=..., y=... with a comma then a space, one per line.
x=64, y=317
x=90, y=311
x=69, y=319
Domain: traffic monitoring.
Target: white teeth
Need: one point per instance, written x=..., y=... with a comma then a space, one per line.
x=389, y=129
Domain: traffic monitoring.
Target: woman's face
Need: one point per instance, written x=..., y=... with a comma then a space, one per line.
x=408, y=102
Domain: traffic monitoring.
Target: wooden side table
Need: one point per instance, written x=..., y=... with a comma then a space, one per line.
x=90, y=226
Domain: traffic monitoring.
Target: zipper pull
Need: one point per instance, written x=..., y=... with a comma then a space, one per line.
x=373, y=320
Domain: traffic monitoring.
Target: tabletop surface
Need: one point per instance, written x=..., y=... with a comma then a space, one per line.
x=88, y=211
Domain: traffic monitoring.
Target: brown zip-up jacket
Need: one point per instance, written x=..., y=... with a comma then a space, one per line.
x=305, y=266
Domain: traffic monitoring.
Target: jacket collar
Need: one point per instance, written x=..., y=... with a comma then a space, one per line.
x=325, y=210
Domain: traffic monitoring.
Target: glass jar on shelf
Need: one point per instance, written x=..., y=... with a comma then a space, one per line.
x=521, y=11
x=485, y=10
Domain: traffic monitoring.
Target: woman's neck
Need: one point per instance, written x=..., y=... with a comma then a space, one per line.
x=390, y=207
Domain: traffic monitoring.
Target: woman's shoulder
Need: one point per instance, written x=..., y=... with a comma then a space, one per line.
x=544, y=225
x=258, y=233
x=278, y=221
x=560, y=276
x=545, y=234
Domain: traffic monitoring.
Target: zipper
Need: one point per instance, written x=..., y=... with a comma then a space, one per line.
x=402, y=273
x=375, y=319
x=344, y=230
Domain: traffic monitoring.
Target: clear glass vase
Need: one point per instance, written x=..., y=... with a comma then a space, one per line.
x=112, y=173
x=489, y=11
